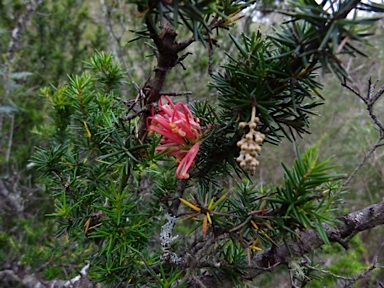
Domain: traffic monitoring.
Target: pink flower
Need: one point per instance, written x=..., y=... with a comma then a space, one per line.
x=181, y=134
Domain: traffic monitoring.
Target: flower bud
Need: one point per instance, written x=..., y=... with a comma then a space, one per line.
x=249, y=144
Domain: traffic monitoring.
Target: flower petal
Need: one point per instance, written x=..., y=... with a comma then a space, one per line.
x=180, y=131
x=185, y=164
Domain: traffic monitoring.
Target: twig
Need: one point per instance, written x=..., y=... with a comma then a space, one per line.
x=361, y=164
x=198, y=281
x=10, y=139
x=115, y=40
x=369, y=100
x=350, y=280
x=254, y=267
x=345, y=85
x=183, y=93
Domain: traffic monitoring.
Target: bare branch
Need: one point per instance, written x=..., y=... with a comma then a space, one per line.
x=361, y=164
x=115, y=40
x=378, y=94
x=183, y=93
x=350, y=281
x=369, y=100
x=18, y=31
x=345, y=85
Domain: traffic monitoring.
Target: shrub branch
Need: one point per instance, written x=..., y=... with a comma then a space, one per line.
x=350, y=225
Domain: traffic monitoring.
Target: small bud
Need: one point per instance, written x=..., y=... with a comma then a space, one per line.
x=243, y=124
x=254, y=163
x=252, y=125
x=248, y=158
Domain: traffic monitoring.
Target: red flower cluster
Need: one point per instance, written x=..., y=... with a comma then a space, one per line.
x=181, y=134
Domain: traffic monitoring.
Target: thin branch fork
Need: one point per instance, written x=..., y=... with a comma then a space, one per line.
x=370, y=99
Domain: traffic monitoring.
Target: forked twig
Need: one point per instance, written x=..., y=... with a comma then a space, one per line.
x=369, y=100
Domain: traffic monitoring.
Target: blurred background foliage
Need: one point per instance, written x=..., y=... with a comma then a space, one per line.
x=56, y=41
